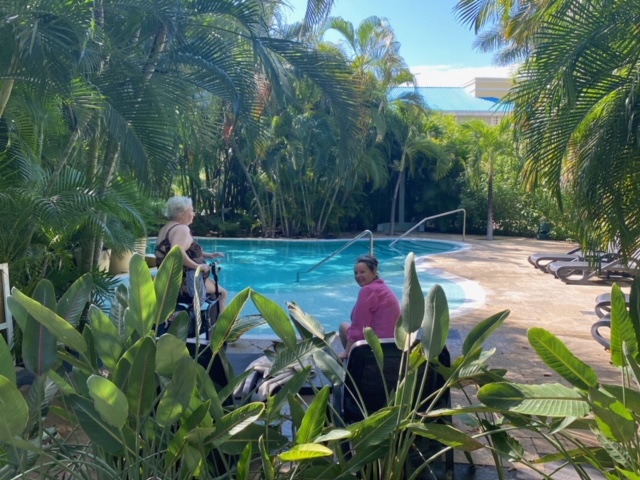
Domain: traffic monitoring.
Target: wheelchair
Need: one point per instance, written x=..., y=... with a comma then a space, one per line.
x=209, y=309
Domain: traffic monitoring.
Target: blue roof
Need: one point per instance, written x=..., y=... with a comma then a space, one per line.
x=449, y=99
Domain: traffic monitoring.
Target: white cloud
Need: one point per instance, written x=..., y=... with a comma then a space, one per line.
x=451, y=76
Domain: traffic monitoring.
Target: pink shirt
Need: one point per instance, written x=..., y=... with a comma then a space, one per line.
x=377, y=307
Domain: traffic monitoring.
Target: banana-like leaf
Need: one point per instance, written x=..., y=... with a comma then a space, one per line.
x=306, y=451
x=276, y=318
x=235, y=422
x=179, y=327
x=313, y=420
x=119, y=304
x=142, y=296
x=197, y=418
x=109, y=401
x=551, y=400
x=628, y=396
x=75, y=299
x=268, y=471
x=194, y=460
x=275, y=402
x=506, y=445
x=18, y=312
x=622, y=330
x=334, y=434
x=141, y=386
x=39, y=346
x=435, y=325
x=243, y=466
x=243, y=325
x=167, y=284
x=227, y=319
x=290, y=357
x=170, y=351
x=330, y=368
x=15, y=414
x=275, y=441
x=374, y=429
x=307, y=322
x=296, y=410
x=634, y=305
x=558, y=357
x=108, y=342
x=104, y=435
x=614, y=419
x=404, y=340
x=376, y=347
x=446, y=435
x=482, y=331
x=412, y=305
x=177, y=395
x=60, y=329
x=7, y=369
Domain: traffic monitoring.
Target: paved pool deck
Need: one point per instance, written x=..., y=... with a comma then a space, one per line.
x=498, y=277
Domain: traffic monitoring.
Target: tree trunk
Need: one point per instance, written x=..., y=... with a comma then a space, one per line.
x=490, y=208
x=396, y=190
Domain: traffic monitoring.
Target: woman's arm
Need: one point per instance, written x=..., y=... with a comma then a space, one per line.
x=361, y=315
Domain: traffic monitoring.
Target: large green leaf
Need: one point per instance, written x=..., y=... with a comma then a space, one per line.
x=290, y=357
x=292, y=386
x=313, y=420
x=39, y=346
x=412, y=305
x=243, y=466
x=268, y=472
x=374, y=342
x=227, y=319
x=178, y=393
x=446, y=435
x=7, y=368
x=555, y=354
x=307, y=322
x=629, y=397
x=234, y=422
x=334, y=372
x=482, y=331
x=101, y=433
x=14, y=413
x=108, y=342
x=109, y=401
x=72, y=304
x=634, y=305
x=614, y=419
x=170, y=352
x=141, y=385
x=623, y=334
x=435, y=325
x=243, y=325
x=142, y=296
x=167, y=284
x=374, y=429
x=60, y=329
x=276, y=318
x=551, y=400
x=306, y=451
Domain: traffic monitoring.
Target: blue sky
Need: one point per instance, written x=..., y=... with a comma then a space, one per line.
x=433, y=43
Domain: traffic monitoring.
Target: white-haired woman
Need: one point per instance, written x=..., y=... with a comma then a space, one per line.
x=177, y=232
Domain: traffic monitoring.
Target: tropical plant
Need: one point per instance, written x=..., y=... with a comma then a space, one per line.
x=486, y=144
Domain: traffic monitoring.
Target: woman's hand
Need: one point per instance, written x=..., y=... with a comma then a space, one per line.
x=205, y=268
x=343, y=355
x=215, y=255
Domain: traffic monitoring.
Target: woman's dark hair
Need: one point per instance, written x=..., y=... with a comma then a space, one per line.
x=369, y=260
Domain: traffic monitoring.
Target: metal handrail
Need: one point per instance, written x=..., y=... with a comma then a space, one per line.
x=464, y=222
x=353, y=240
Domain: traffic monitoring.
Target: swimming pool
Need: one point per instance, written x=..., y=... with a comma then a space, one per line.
x=271, y=268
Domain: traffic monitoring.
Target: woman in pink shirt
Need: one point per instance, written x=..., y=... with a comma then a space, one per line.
x=377, y=306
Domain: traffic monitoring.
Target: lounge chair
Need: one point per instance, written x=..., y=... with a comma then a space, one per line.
x=605, y=322
x=582, y=272
x=603, y=304
x=541, y=260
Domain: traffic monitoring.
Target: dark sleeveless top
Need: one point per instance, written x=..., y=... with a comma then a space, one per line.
x=194, y=252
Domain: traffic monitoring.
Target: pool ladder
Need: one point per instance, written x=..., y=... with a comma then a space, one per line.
x=464, y=222
x=353, y=240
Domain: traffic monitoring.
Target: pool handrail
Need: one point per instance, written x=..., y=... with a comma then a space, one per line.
x=464, y=222
x=349, y=243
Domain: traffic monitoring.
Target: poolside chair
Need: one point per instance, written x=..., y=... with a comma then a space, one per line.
x=605, y=322
x=364, y=393
x=603, y=304
x=541, y=260
x=582, y=272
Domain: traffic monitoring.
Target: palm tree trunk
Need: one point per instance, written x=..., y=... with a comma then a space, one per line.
x=392, y=221
x=5, y=94
x=490, y=208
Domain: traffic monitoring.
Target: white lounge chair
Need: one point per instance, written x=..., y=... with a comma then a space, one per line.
x=542, y=259
x=583, y=272
x=603, y=304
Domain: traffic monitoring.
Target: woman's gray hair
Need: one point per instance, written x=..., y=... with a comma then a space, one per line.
x=177, y=206
x=369, y=260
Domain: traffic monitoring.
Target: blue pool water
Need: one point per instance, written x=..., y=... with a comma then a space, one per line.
x=271, y=267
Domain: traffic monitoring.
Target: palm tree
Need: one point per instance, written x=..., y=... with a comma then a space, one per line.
x=486, y=145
